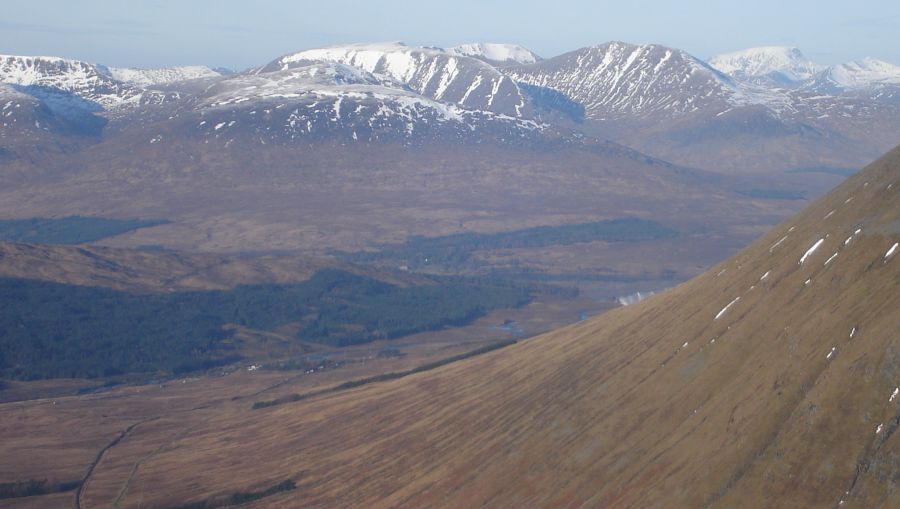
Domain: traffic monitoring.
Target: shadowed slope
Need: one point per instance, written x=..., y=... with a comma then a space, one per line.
x=766, y=382
x=141, y=271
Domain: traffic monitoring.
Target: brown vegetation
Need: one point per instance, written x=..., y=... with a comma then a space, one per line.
x=136, y=270
x=659, y=404
x=775, y=403
x=263, y=198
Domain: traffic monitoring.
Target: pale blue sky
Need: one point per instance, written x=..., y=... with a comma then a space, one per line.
x=241, y=33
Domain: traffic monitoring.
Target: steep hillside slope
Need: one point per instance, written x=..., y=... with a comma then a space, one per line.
x=770, y=381
x=620, y=81
x=32, y=132
x=25, y=118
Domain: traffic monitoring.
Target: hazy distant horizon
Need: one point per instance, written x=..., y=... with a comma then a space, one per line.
x=228, y=33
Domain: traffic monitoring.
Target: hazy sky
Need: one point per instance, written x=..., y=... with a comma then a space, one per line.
x=242, y=33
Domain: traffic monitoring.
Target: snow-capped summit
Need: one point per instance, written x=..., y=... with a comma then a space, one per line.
x=431, y=72
x=322, y=99
x=784, y=64
x=72, y=85
x=779, y=65
x=60, y=75
x=496, y=53
x=394, y=59
x=618, y=80
x=864, y=73
x=658, y=99
x=160, y=76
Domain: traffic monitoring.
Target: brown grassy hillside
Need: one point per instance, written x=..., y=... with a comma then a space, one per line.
x=765, y=382
x=158, y=271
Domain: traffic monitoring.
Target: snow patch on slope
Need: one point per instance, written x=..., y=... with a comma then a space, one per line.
x=811, y=250
x=726, y=308
x=160, y=76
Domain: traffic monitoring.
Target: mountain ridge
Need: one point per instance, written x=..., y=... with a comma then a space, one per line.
x=787, y=63
x=497, y=53
x=787, y=66
x=432, y=72
x=655, y=99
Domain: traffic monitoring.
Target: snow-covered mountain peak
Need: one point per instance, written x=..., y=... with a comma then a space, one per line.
x=321, y=99
x=780, y=66
x=28, y=70
x=621, y=80
x=864, y=73
x=783, y=62
x=61, y=80
x=496, y=53
x=431, y=72
x=624, y=55
x=31, y=61
x=392, y=58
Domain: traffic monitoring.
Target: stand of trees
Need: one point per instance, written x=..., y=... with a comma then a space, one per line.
x=50, y=330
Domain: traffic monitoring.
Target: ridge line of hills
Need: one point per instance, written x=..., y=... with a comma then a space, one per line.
x=659, y=100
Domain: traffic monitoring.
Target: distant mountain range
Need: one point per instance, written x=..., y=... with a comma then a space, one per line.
x=781, y=65
x=757, y=109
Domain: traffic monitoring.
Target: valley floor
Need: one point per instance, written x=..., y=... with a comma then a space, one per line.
x=51, y=432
